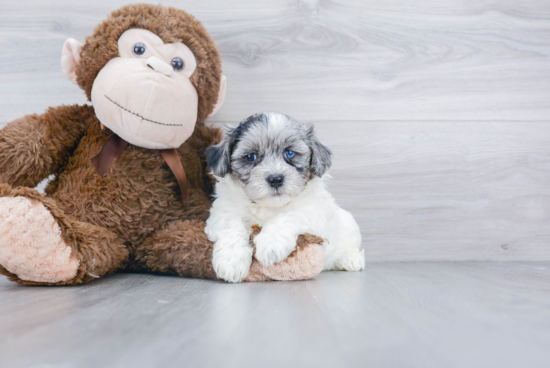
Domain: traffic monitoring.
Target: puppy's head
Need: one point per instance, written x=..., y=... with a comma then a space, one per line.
x=271, y=155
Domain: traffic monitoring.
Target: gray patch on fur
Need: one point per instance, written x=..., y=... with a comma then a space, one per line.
x=218, y=157
x=321, y=155
x=269, y=135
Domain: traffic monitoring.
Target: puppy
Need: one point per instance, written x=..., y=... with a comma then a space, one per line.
x=271, y=172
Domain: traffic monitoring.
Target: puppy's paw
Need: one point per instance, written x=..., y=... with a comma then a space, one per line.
x=352, y=262
x=232, y=261
x=273, y=247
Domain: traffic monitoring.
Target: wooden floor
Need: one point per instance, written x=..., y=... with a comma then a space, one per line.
x=471, y=314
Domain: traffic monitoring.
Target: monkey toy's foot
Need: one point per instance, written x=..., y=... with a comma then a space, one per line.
x=304, y=263
x=31, y=245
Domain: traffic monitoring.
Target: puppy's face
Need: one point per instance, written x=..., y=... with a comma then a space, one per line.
x=271, y=155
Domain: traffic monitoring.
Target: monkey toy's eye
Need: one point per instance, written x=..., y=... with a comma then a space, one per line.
x=139, y=49
x=289, y=154
x=251, y=157
x=177, y=64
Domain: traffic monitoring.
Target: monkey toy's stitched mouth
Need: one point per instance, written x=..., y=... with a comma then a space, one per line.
x=138, y=115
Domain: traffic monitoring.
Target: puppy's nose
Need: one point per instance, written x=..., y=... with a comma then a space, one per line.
x=275, y=180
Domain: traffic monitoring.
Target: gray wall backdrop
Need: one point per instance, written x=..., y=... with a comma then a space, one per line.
x=437, y=110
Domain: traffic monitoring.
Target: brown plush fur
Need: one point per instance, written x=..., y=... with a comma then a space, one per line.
x=107, y=220
x=179, y=254
x=98, y=250
x=136, y=198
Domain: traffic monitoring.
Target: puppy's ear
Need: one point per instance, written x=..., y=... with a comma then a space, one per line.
x=218, y=157
x=321, y=155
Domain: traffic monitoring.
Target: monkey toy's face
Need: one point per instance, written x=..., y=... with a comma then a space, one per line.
x=145, y=95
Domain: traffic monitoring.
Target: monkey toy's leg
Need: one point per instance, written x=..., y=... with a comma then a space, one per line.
x=40, y=245
x=183, y=248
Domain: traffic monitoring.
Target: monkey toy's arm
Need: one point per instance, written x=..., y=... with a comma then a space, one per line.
x=36, y=146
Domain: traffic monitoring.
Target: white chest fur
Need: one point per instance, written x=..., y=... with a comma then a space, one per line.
x=314, y=211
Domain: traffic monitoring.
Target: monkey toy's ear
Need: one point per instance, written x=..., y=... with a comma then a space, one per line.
x=221, y=95
x=70, y=58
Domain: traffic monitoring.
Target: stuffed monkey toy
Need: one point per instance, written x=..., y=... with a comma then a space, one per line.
x=131, y=188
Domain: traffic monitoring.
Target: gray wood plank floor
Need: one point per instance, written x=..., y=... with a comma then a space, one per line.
x=476, y=314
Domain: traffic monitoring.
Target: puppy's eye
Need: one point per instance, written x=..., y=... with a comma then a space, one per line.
x=251, y=157
x=177, y=64
x=289, y=154
x=139, y=49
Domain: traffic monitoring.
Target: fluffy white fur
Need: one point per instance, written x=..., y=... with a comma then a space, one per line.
x=312, y=211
